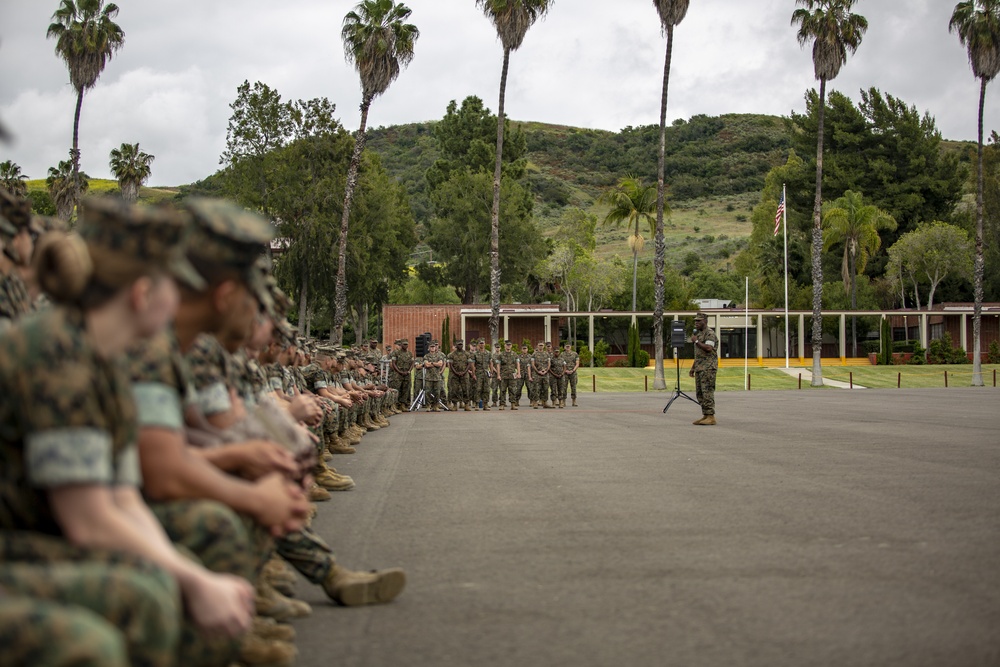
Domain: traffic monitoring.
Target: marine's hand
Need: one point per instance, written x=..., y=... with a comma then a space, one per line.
x=282, y=505
x=220, y=603
x=262, y=457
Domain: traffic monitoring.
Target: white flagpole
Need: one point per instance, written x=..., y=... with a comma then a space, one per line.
x=784, y=198
x=746, y=334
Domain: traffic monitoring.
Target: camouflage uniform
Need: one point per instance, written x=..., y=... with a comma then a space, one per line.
x=482, y=358
x=705, y=367
x=495, y=378
x=507, y=362
x=557, y=379
x=525, y=358
x=433, y=379
x=459, y=379
x=540, y=362
x=69, y=418
x=14, y=299
x=570, y=357
x=402, y=359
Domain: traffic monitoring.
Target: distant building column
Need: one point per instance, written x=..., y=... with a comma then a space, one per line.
x=548, y=328
x=506, y=327
x=463, y=327
x=843, y=339
x=760, y=339
x=923, y=330
x=964, y=331
x=590, y=325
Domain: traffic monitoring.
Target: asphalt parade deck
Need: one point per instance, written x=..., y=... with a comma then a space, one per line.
x=808, y=528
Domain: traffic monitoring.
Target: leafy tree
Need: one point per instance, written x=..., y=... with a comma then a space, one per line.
x=630, y=203
x=12, y=180
x=512, y=19
x=64, y=187
x=633, y=345
x=86, y=39
x=671, y=13
x=379, y=43
x=834, y=31
x=991, y=218
x=978, y=25
x=131, y=167
x=929, y=254
x=851, y=222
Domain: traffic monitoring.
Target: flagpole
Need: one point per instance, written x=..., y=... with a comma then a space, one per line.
x=785, y=215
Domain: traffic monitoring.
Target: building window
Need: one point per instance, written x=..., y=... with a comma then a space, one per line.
x=937, y=331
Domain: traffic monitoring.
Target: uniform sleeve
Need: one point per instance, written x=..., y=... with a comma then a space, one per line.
x=155, y=384
x=209, y=375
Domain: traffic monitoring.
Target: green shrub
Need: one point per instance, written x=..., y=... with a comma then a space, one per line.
x=872, y=346
x=619, y=363
x=941, y=351
x=993, y=356
x=633, y=345
x=885, y=357
x=601, y=350
x=919, y=357
x=643, y=359
x=585, y=356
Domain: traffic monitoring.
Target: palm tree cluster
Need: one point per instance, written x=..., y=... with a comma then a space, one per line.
x=131, y=167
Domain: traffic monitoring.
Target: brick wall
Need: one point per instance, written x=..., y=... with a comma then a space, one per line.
x=411, y=321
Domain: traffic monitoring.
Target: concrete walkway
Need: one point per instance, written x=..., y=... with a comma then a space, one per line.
x=807, y=376
x=807, y=529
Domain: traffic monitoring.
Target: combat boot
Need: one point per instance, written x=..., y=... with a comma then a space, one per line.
x=279, y=575
x=381, y=421
x=545, y=404
x=513, y=406
x=353, y=589
x=502, y=406
x=273, y=604
x=486, y=406
x=331, y=480
x=708, y=420
x=318, y=494
x=574, y=402
x=701, y=421
x=467, y=408
x=258, y=650
x=268, y=628
x=534, y=405
x=334, y=445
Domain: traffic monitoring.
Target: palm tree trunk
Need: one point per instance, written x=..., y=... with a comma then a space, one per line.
x=303, y=302
x=854, y=304
x=340, y=300
x=817, y=248
x=75, y=153
x=495, y=222
x=635, y=275
x=979, y=265
x=660, y=248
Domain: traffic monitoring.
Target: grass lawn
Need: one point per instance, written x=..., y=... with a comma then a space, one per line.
x=731, y=379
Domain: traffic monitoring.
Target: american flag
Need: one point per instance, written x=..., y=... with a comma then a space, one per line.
x=777, y=216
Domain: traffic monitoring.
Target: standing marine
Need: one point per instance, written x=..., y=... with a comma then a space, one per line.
x=706, y=364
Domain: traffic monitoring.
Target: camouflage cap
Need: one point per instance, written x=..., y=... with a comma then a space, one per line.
x=285, y=330
x=227, y=234
x=459, y=341
x=16, y=210
x=124, y=241
x=404, y=341
x=700, y=316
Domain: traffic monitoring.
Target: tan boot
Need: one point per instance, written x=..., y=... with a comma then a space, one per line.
x=468, y=407
x=534, y=405
x=708, y=420
x=318, y=494
x=258, y=650
x=513, y=406
x=330, y=480
x=353, y=589
x=268, y=628
x=701, y=421
x=335, y=445
x=276, y=573
x=545, y=404
x=574, y=403
x=273, y=604
x=502, y=406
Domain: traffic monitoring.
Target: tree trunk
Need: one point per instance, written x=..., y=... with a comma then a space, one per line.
x=303, y=302
x=979, y=264
x=340, y=299
x=660, y=248
x=817, y=248
x=635, y=275
x=854, y=299
x=495, y=221
x=75, y=152
x=130, y=191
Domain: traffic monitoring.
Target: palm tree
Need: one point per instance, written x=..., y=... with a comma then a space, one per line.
x=835, y=32
x=978, y=25
x=631, y=202
x=12, y=180
x=86, y=39
x=671, y=12
x=63, y=188
x=856, y=224
x=379, y=43
x=511, y=18
x=131, y=167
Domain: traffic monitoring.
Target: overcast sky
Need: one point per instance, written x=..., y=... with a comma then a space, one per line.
x=590, y=63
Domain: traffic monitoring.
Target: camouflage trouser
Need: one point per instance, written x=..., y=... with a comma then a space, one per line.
x=306, y=552
x=458, y=387
x=432, y=389
x=494, y=389
x=557, y=386
x=136, y=597
x=39, y=632
x=482, y=392
x=571, y=378
x=518, y=388
x=222, y=541
x=418, y=385
x=541, y=388
x=401, y=383
x=506, y=392
x=705, y=390
x=532, y=385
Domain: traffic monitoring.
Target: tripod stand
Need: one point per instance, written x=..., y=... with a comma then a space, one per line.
x=677, y=388
x=421, y=398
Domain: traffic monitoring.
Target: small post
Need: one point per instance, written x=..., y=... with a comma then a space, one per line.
x=851, y=376
x=994, y=377
x=899, y=380
x=594, y=380
x=946, y=379
x=800, y=380
x=646, y=378
x=749, y=378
